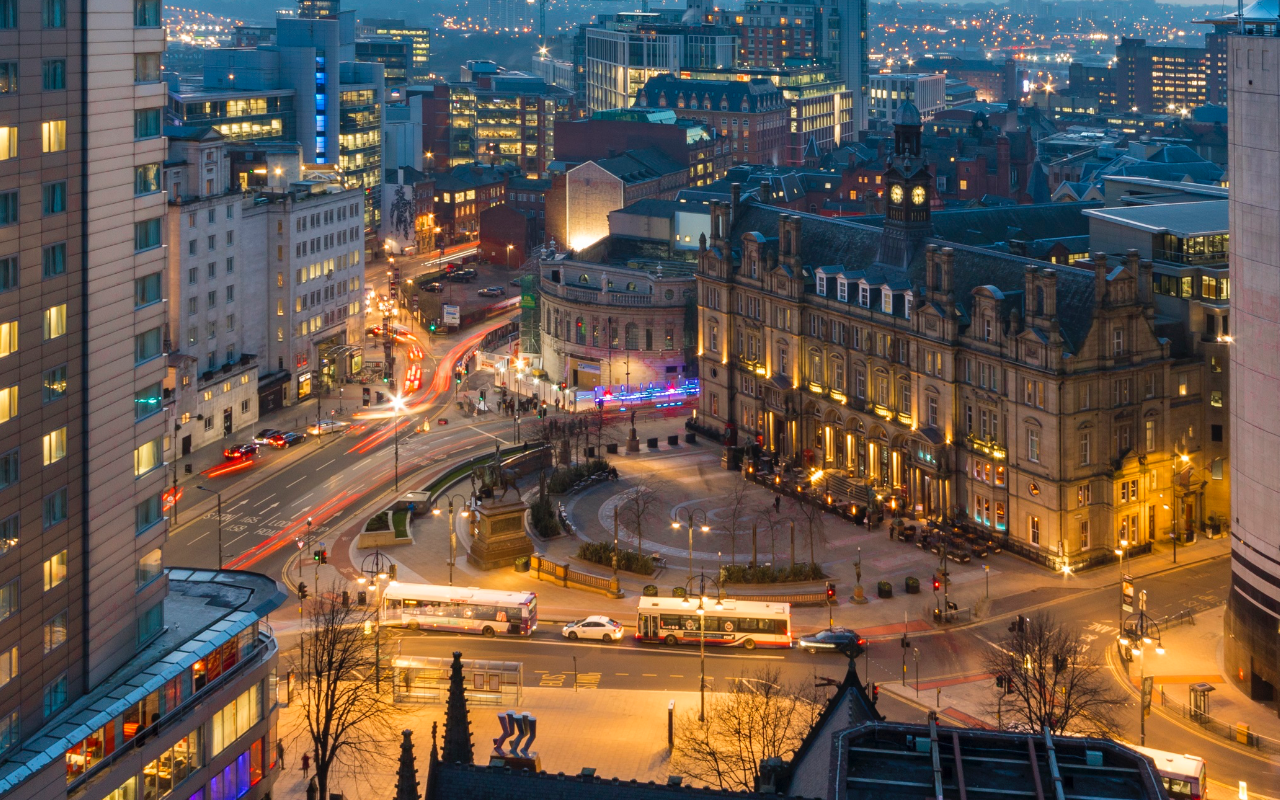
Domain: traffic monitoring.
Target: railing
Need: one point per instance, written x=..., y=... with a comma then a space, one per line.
x=1191, y=259
x=1078, y=563
x=266, y=640
x=546, y=570
x=1184, y=617
x=1239, y=734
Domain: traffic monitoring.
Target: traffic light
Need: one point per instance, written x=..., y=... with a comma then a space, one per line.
x=324, y=556
x=831, y=592
x=391, y=571
x=905, y=642
x=432, y=327
x=362, y=599
x=875, y=693
x=600, y=403
x=466, y=368
x=457, y=377
x=302, y=591
x=937, y=584
x=315, y=556
x=1019, y=625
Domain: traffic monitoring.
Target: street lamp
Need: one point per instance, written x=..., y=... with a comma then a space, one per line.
x=453, y=531
x=675, y=525
x=1122, y=551
x=219, y=494
x=375, y=566
x=1139, y=632
x=703, y=601
x=397, y=405
x=510, y=247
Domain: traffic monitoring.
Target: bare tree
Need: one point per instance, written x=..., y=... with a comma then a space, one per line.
x=639, y=506
x=815, y=525
x=737, y=499
x=347, y=713
x=1053, y=680
x=758, y=718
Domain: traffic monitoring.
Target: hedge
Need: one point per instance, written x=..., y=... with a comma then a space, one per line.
x=628, y=560
x=564, y=478
x=761, y=573
x=542, y=516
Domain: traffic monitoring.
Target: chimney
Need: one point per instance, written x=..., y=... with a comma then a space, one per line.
x=674, y=780
x=1029, y=290
x=1099, y=277
x=1144, y=282
x=931, y=268
x=946, y=268
x=1050, y=293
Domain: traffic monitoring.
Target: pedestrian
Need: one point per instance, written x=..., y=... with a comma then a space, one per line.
x=306, y=762
x=777, y=504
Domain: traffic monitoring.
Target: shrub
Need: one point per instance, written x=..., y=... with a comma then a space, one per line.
x=678, y=592
x=738, y=573
x=650, y=590
x=884, y=589
x=542, y=517
x=913, y=585
x=563, y=479
x=380, y=522
x=628, y=560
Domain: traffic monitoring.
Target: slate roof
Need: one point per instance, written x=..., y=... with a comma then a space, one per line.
x=652, y=207
x=854, y=246
x=471, y=782
x=1183, y=220
x=987, y=226
x=636, y=166
x=759, y=94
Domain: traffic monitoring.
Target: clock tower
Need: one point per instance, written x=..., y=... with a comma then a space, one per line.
x=909, y=189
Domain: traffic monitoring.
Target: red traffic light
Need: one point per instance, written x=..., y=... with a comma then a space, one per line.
x=937, y=584
x=831, y=590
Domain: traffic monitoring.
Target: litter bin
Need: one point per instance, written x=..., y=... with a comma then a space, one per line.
x=691, y=438
x=611, y=448
x=674, y=440
x=653, y=442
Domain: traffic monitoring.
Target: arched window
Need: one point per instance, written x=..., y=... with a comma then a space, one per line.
x=631, y=286
x=633, y=336
x=713, y=337
x=595, y=334
x=815, y=366
x=837, y=373
x=581, y=331
x=783, y=366
x=584, y=278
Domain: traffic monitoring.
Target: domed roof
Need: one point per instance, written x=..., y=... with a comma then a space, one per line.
x=907, y=114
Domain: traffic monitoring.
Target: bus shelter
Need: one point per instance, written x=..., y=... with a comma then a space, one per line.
x=425, y=679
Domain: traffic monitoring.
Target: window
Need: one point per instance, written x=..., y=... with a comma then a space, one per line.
x=55, y=321
x=53, y=136
x=1033, y=446
x=146, y=234
x=149, y=568
x=8, y=70
x=146, y=123
x=55, y=632
x=235, y=718
x=9, y=208
x=147, y=457
x=1149, y=435
x=8, y=403
x=55, y=446
x=9, y=733
x=55, y=570
x=8, y=599
x=146, y=179
x=53, y=198
x=147, y=401
x=8, y=477
x=55, y=508
x=146, y=345
x=146, y=67
x=1182, y=386
x=8, y=138
x=1033, y=530
x=147, y=513
x=1215, y=399
x=53, y=13
x=1085, y=454
x=231, y=294
x=1084, y=534
x=54, y=260
x=146, y=290
x=1084, y=495
x=931, y=406
x=146, y=13
x=1117, y=342
x=54, y=74
x=8, y=669
x=150, y=623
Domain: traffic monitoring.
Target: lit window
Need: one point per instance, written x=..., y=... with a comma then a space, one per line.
x=53, y=135
x=146, y=458
x=149, y=567
x=8, y=403
x=55, y=570
x=55, y=446
x=55, y=321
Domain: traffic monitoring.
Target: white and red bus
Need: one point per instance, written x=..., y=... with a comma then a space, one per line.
x=740, y=623
x=1185, y=776
x=422, y=606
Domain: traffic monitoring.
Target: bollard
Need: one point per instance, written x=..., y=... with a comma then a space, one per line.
x=674, y=441
x=652, y=443
x=671, y=725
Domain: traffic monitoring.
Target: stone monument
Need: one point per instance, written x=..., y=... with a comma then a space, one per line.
x=499, y=537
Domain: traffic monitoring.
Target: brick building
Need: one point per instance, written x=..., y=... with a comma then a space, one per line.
x=751, y=115
x=607, y=133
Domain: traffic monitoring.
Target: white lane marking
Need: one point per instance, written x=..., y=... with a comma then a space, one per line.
x=327, y=463
x=198, y=538
x=265, y=499
x=299, y=480
x=303, y=499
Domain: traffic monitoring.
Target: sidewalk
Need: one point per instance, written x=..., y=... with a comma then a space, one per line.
x=635, y=747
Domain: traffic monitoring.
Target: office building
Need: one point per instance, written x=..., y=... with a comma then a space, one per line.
x=777, y=34
x=622, y=54
x=394, y=53
x=98, y=644
x=750, y=116
x=492, y=115
x=420, y=37
x=892, y=368
x=554, y=71
x=1251, y=646
x=927, y=92
x=263, y=115
x=1160, y=78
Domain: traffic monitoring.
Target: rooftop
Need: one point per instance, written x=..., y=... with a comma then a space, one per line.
x=1184, y=220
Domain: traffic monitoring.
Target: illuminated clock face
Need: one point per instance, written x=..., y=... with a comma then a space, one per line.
x=917, y=195
x=895, y=193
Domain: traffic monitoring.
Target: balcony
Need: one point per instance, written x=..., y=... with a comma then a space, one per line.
x=231, y=369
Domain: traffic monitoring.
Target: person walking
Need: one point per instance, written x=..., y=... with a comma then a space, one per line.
x=306, y=763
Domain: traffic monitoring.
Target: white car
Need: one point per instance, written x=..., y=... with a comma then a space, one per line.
x=328, y=426
x=594, y=627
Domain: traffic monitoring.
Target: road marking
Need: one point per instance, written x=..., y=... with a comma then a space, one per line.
x=675, y=676
x=299, y=480
x=649, y=675
x=327, y=463
x=303, y=499
x=622, y=674
x=198, y=538
x=265, y=499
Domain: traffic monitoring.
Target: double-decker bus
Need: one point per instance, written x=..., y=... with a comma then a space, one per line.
x=1185, y=776
x=742, y=623
x=422, y=606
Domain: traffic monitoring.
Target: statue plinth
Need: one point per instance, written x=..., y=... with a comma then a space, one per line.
x=500, y=538
x=531, y=762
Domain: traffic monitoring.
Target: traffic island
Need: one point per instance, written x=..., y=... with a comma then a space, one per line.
x=386, y=529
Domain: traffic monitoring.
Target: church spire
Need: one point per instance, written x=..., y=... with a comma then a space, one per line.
x=407, y=775
x=457, y=726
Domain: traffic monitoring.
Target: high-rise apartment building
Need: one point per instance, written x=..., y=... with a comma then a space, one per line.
x=888, y=91
x=102, y=692
x=420, y=68
x=1160, y=78
x=1251, y=645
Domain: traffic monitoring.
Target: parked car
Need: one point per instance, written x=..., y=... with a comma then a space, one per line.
x=515, y=281
x=239, y=451
x=462, y=276
x=492, y=291
x=264, y=436
x=434, y=287
x=596, y=626
x=287, y=439
x=328, y=426
x=835, y=640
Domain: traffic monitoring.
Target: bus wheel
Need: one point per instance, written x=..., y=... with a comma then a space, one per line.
x=671, y=639
x=414, y=625
x=488, y=632
x=750, y=644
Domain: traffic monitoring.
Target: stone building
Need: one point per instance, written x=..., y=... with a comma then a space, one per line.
x=1035, y=399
